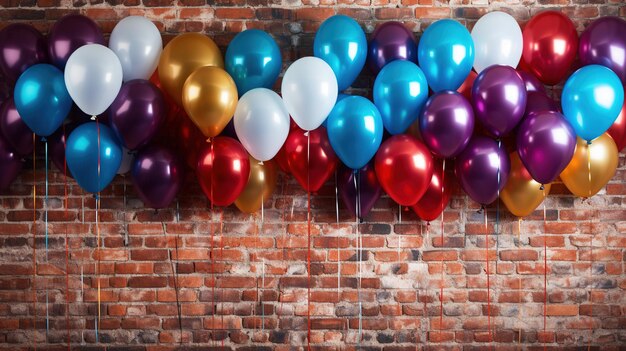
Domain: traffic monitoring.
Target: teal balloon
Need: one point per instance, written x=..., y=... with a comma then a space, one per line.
x=340, y=42
x=446, y=53
x=400, y=92
x=81, y=153
x=355, y=130
x=592, y=99
x=41, y=98
x=253, y=60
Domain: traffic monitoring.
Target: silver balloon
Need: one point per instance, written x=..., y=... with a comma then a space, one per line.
x=137, y=43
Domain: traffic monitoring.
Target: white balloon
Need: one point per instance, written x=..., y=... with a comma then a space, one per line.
x=127, y=161
x=261, y=123
x=310, y=91
x=137, y=43
x=93, y=77
x=497, y=41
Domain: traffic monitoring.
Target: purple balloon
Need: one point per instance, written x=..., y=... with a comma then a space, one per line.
x=157, y=175
x=545, y=143
x=481, y=167
x=56, y=147
x=21, y=46
x=447, y=123
x=137, y=113
x=539, y=102
x=68, y=34
x=368, y=185
x=10, y=164
x=531, y=82
x=499, y=97
x=14, y=130
x=604, y=43
x=390, y=41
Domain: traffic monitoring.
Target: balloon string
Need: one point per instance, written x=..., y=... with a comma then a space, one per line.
x=308, y=254
x=211, y=250
x=443, y=174
x=357, y=182
x=98, y=235
x=34, y=245
x=45, y=202
x=124, y=224
x=173, y=267
x=590, y=253
x=488, y=277
x=221, y=226
x=519, y=286
x=67, y=251
x=545, y=268
x=338, y=248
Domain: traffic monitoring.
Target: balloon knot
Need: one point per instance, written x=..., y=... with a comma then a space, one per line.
x=542, y=187
x=306, y=134
x=355, y=171
x=43, y=139
x=209, y=140
x=361, y=219
x=481, y=209
x=589, y=142
x=94, y=117
x=96, y=196
x=261, y=163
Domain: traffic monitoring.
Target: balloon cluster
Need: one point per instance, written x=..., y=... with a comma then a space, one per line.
x=476, y=99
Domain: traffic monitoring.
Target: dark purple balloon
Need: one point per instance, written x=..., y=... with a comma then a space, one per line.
x=539, y=102
x=531, y=82
x=604, y=43
x=447, y=123
x=10, y=164
x=368, y=185
x=546, y=144
x=14, y=130
x=157, y=176
x=499, y=97
x=478, y=168
x=137, y=113
x=21, y=46
x=390, y=41
x=68, y=34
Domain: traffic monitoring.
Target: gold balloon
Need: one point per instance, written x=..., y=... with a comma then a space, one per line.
x=260, y=186
x=602, y=155
x=210, y=99
x=183, y=55
x=522, y=194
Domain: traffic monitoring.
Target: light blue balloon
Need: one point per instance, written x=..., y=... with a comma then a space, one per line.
x=446, y=53
x=400, y=92
x=355, y=130
x=253, y=60
x=340, y=42
x=41, y=98
x=81, y=154
x=592, y=99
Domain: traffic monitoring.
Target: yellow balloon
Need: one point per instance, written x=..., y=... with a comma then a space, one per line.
x=522, y=194
x=183, y=55
x=260, y=186
x=210, y=99
x=601, y=154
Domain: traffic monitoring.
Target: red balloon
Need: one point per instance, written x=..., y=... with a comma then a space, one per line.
x=466, y=88
x=311, y=173
x=435, y=200
x=404, y=167
x=223, y=170
x=282, y=160
x=191, y=141
x=550, y=46
x=618, y=129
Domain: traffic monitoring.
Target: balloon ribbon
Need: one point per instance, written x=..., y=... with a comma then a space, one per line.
x=359, y=247
x=488, y=277
x=34, y=246
x=590, y=253
x=545, y=268
x=308, y=254
x=338, y=249
x=98, y=236
x=174, y=267
x=443, y=174
x=45, y=209
x=67, y=251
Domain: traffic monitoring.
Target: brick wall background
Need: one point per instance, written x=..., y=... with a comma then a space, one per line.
x=243, y=284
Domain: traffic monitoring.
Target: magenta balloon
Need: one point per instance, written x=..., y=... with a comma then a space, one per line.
x=10, y=164
x=21, y=46
x=499, y=98
x=447, y=123
x=531, y=82
x=604, y=43
x=157, y=176
x=369, y=187
x=545, y=143
x=14, y=130
x=68, y=34
x=481, y=167
x=390, y=41
x=539, y=102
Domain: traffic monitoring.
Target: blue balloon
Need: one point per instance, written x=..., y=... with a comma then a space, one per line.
x=41, y=98
x=81, y=154
x=253, y=60
x=340, y=42
x=355, y=130
x=400, y=92
x=446, y=53
x=592, y=99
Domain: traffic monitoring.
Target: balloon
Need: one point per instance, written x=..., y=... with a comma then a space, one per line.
x=260, y=186
x=253, y=60
x=522, y=194
x=447, y=123
x=539, y=102
x=21, y=46
x=10, y=163
x=210, y=99
x=545, y=143
x=262, y=123
x=446, y=53
x=499, y=97
x=181, y=57
x=128, y=159
x=369, y=188
x=592, y=99
x=583, y=180
x=137, y=113
x=56, y=147
x=466, y=88
x=436, y=198
x=390, y=41
x=157, y=176
x=191, y=140
x=404, y=168
x=531, y=82
x=310, y=91
x=223, y=170
x=15, y=132
x=93, y=156
x=70, y=33
x=137, y=43
x=400, y=92
x=550, y=44
x=603, y=43
x=618, y=129
x=355, y=131
x=498, y=41
x=482, y=169
x=41, y=98
x=282, y=160
x=314, y=171
x=341, y=43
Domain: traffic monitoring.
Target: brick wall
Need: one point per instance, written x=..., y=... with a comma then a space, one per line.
x=243, y=284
